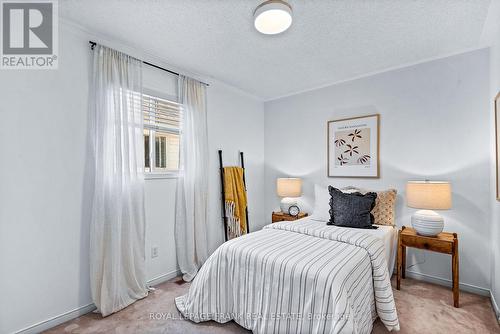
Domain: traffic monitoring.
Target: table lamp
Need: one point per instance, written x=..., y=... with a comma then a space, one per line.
x=429, y=196
x=289, y=188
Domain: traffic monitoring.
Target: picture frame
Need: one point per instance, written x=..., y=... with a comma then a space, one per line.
x=497, y=143
x=353, y=147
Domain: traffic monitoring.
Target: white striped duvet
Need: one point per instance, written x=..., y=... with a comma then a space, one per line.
x=295, y=277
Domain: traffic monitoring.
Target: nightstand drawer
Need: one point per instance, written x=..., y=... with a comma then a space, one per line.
x=427, y=243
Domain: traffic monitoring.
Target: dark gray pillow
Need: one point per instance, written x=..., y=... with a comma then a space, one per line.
x=351, y=210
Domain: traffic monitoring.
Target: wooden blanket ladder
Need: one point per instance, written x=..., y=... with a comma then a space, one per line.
x=223, y=196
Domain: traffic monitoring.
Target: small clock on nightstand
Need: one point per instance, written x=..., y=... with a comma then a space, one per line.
x=293, y=210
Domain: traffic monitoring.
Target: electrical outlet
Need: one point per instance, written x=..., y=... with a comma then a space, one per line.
x=154, y=252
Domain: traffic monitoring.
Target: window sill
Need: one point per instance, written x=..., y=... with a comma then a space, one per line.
x=159, y=176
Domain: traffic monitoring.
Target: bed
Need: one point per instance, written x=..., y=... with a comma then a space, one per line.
x=298, y=277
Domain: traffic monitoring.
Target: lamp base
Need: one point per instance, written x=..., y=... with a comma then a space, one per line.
x=286, y=203
x=427, y=223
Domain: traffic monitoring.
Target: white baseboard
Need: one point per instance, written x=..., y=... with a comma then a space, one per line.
x=446, y=282
x=70, y=315
x=163, y=278
x=495, y=306
x=57, y=320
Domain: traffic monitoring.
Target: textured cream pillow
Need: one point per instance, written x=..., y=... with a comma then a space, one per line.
x=385, y=207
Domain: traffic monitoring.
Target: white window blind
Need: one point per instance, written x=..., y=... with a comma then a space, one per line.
x=162, y=121
x=161, y=114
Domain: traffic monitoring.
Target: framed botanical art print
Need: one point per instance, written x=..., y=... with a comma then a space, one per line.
x=353, y=147
x=497, y=142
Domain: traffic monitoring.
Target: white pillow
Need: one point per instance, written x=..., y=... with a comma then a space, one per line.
x=321, y=203
x=352, y=189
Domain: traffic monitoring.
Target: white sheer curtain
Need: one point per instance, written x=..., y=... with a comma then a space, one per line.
x=117, y=245
x=192, y=184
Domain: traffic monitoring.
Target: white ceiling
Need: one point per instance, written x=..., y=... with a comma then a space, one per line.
x=329, y=41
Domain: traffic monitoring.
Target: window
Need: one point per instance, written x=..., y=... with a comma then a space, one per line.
x=161, y=134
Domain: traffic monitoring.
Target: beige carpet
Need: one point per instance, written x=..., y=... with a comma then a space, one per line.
x=422, y=308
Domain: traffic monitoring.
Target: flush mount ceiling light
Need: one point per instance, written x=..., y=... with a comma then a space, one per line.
x=273, y=17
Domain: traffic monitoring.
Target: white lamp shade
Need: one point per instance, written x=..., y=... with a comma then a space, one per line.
x=430, y=195
x=289, y=187
x=273, y=17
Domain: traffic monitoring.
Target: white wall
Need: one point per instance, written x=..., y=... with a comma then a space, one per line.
x=44, y=213
x=434, y=124
x=236, y=123
x=491, y=37
x=495, y=235
x=160, y=222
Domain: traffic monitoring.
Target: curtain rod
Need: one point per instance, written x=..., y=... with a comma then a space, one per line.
x=93, y=44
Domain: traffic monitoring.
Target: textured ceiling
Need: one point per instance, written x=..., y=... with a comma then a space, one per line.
x=329, y=40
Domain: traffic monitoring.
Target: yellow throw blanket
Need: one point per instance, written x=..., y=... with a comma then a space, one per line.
x=236, y=201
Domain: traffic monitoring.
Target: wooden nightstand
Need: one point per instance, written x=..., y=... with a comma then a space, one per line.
x=280, y=216
x=443, y=243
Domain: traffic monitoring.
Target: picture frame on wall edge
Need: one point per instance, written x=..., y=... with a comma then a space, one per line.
x=353, y=147
x=497, y=143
